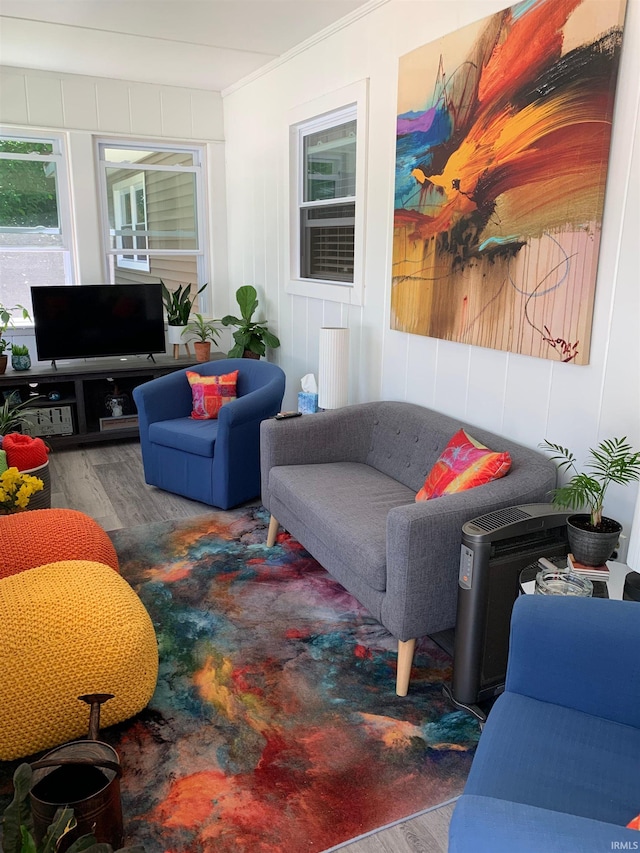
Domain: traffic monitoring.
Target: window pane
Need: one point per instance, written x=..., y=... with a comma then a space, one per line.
x=156, y=158
x=169, y=203
x=327, y=238
x=22, y=269
x=25, y=146
x=173, y=270
x=329, y=158
x=28, y=197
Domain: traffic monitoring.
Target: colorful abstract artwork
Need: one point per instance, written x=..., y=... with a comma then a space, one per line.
x=275, y=725
x=503, y=137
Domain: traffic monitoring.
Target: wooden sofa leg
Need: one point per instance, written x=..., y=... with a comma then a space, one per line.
x=406, y=649
x=273, y=529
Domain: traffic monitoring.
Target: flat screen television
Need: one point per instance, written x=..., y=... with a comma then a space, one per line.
x=91, y=320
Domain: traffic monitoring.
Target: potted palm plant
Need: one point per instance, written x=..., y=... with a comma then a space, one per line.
x=205, y=333
x=592, y=536
x=6, y=320
x=178, y=304
x=251, y=338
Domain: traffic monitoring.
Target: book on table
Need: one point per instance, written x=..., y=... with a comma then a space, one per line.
x=598, y=573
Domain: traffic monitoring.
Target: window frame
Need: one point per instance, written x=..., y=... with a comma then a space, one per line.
x=328, y=111
x=59, y=156
x=198, y=169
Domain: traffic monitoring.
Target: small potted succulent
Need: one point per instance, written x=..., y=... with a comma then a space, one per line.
x=20, y=358
x=251, y=338
x=205, y=333
x=592, y=536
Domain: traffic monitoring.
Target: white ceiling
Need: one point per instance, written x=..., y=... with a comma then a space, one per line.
x=208, y=44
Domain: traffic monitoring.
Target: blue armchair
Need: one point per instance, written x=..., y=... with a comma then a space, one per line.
x=213, y=461
x=557, y=768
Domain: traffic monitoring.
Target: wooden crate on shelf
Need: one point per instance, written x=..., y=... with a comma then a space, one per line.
x=120, y=422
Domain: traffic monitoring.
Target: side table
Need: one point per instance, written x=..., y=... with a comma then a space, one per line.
x=613, y=588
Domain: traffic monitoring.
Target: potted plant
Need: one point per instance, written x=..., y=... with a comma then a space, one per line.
x=205, y=333
x=17, y=825
x=178, y=304
x=12, y=413
x=592, y=536
x=251, y=338
x=6, y=320
x=20, y=358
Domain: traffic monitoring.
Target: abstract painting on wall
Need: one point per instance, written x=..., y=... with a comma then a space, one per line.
x=502, y=148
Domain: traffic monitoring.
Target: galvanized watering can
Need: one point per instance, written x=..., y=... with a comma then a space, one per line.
x=85, y=776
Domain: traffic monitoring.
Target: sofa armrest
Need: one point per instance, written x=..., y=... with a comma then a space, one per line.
x=488, y=825
x=340, y=435
x=577, y=652
x=423, y=552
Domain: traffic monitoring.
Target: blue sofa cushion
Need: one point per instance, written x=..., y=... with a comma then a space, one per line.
x=487, y=825
x=533, y=753
x=186, y=434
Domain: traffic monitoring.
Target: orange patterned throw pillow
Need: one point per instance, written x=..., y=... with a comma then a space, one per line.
x=211, y=393
x=634, y=824
x=463, y=464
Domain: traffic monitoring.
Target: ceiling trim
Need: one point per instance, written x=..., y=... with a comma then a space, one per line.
x=327, y=32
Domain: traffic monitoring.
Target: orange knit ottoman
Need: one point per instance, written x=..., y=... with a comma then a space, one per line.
x=68, y=629
x=32, y=538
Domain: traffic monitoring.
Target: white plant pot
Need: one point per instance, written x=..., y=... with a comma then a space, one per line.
x=174, y=335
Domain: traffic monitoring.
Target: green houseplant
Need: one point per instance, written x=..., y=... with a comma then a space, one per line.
x=12, y=414
x=251, y=338
x=178, y=303
x=593, y=536
x=205, y=333
x=17, y=825
x=6, y=320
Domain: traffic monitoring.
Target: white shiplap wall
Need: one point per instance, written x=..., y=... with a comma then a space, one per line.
x=524, y=398
x=88, y=107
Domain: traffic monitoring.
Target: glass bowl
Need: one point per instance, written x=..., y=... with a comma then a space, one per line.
x=562, y=582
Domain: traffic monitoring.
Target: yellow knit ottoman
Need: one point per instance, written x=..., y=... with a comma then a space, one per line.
x=67, y=629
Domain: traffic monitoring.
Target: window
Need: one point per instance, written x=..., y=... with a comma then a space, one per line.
x=35, y=226
x=327, y=151
x=152, y=203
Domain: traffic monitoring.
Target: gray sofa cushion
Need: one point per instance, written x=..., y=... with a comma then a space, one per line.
x=347, y=505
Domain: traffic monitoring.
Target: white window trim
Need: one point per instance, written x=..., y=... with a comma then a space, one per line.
x=120, y=188
x=346, y=292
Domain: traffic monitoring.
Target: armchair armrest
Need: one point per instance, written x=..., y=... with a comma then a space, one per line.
x=579, y=653
x=163, y=398
x=488, y=825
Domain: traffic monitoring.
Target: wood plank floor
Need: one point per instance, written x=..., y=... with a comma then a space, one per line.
x=106, y=482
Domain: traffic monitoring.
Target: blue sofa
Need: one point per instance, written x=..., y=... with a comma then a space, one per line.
x=557, y=769
x=213, y=461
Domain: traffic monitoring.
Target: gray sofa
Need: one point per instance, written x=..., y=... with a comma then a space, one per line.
x=344, y=482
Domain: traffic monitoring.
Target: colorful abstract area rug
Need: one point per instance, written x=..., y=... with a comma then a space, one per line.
x=274, y=727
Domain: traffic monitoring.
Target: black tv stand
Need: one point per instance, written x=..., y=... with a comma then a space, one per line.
x=151, y=358
x=69, y=399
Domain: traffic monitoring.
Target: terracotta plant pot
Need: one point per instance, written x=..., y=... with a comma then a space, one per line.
x=249, y=354
x=202, y=350
x=3, y=363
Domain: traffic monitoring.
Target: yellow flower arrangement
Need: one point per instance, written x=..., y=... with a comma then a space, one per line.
x=16, y=489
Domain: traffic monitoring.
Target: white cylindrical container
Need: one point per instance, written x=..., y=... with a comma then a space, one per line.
x=333, y=368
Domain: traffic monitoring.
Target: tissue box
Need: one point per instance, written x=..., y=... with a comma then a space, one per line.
x=307, y=403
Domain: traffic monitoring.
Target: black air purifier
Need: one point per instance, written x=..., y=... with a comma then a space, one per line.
x=495, y=549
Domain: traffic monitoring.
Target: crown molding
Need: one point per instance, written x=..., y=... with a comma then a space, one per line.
x=322, y=35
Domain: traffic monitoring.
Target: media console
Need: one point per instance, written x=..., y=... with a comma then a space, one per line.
x=77, y=403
